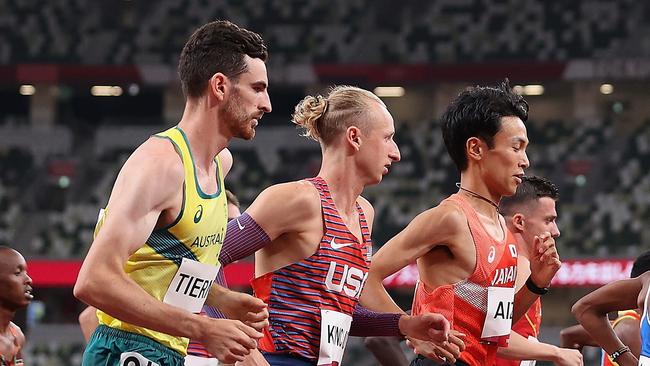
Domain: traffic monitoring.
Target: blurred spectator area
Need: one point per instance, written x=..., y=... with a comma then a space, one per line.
x=448, y=31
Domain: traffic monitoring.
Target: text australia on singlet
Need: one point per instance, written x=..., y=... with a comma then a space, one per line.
x=205, y=241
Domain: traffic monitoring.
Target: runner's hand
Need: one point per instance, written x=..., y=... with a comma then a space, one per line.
x=569, y=357
x=228, y=340
x=427, y=327
x=254, y=359
x=447, y=353
x=545, y=261
x=240, y=306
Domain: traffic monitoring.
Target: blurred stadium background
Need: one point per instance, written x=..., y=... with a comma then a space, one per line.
x=84, y=82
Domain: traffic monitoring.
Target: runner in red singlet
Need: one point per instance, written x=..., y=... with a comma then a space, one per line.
x=529, y=212
x=467, y=259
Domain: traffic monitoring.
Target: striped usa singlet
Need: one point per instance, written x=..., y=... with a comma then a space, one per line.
x=302, y=296
x=480, y=306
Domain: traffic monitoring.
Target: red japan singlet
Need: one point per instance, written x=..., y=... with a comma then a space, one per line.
x=480, y=306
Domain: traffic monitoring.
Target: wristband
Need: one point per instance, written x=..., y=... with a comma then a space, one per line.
x=619, y=352
x=532, y=287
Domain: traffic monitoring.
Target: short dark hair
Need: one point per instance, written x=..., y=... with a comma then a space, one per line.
x=218, y=46
x=531, y=189
x=477, y=112
x=641, y=265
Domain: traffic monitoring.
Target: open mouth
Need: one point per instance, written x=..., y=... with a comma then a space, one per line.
x=29, y=294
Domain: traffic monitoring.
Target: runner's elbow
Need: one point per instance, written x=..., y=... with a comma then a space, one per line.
x=87, y=289
x=579, y=308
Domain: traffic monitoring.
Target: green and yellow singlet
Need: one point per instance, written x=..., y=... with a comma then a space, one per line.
x=166, y=265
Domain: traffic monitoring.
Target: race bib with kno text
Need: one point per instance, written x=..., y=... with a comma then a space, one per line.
x=334, y=331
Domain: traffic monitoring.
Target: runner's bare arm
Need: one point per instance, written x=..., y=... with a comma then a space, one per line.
x=88, y=322
x=520, y=348
x=576, y=337
x=591, y=311
x=627, y=330
x=286, y=207
x=225, y=157
x=427, y=230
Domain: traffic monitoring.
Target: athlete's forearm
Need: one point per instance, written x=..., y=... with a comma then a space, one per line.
x=243, y=238
x=598, y=326
x=591, y=311
x=368, y=323
x=520, y=348
x=216, y=295
x=119, y=296
x=576, y=337
x=211, y=311
x=524, y=299
x=376, y=298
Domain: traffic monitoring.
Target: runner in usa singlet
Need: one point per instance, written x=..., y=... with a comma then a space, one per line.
x=311, y=301
x=482, y=305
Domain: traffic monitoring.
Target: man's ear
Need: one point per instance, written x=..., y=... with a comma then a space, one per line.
x=474, y=147
x=518, y=221
x=218, y=86
x=353, y=137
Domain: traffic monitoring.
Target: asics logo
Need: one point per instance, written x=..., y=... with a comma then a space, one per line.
x=338, y=246
x=198, y=214
x=491, y=254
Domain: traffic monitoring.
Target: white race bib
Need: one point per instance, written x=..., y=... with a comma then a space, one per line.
x=191, y=285
x=498, y=319
x=200, y=361
x=529, y=362
x=644, y=361
x=334, y=329
x=135, y=359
